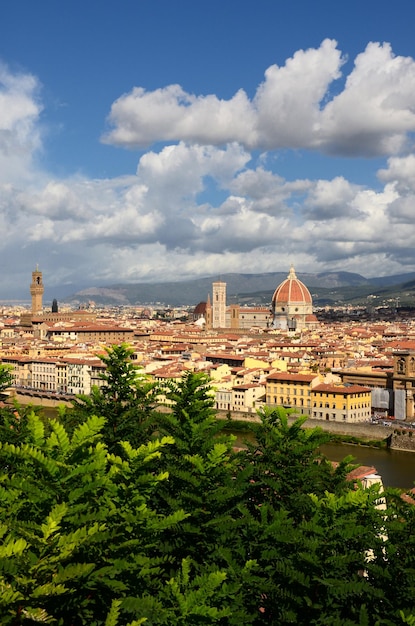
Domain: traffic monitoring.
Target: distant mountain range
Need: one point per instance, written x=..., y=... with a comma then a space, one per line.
x=326, y=288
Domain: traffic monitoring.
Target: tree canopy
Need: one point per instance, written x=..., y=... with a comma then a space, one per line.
x=120, y=514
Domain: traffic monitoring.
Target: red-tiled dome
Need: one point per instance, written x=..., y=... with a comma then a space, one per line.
x=200, y=309
x=291, y=291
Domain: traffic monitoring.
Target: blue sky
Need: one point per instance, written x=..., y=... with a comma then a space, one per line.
x=144, y=141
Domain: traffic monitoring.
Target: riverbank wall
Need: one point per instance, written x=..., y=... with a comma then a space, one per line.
x=50, y=401
x=364, y=430
x=396, y=437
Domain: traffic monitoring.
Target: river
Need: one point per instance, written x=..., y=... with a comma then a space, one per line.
x=397, y=468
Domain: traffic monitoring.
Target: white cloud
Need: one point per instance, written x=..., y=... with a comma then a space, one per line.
x=288, y=101
x=179, y=170
x=400, y=174
x=169, y=114
x=331, y=199
x=206, y=204
x=19, y=129
x=401, y=171
x=375, y=112
x=293, y=108
x=267, y=192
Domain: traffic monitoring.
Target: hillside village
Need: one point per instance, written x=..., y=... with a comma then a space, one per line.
x=338, y=371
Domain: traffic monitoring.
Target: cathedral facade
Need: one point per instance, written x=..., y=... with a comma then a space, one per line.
x=291, y=309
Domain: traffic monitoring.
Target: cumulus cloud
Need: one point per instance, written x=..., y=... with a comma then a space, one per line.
x=268, y=192
x=401, y=171
x=374, y=113
x=400, y=175
x=179, y=170
x=288, y=102
x=331, y=199
x=20, y=135
x=168, y=114
x=294, y=107
x=206, y=202
x=402, y=210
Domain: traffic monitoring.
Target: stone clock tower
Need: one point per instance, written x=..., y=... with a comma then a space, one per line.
x=36, y=291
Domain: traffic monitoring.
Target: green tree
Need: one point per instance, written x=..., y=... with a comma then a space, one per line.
x=126, y=399
x=77, y=528
x=202, y=469
x=185, y=530
x=14, y=420
x=397, y=577
x=6, y=377
x=287, y=464
x=306, y=529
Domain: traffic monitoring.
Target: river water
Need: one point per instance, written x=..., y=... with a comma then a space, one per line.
x=397, y=468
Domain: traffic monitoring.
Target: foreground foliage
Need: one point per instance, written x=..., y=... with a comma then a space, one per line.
x=134, y=517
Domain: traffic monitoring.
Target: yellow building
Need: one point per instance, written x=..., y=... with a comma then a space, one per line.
x=341, y=403
x=308, y=395
x=291, y=390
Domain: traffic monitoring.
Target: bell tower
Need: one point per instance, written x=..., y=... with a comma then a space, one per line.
x=36, y=291
x=219, y=304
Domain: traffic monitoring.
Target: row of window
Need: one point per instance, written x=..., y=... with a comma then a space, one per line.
x=352, y=416
x=287, y=401
x=360, y=405
x=302, y=391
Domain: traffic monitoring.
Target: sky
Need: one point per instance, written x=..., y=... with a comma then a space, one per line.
x=166, y=140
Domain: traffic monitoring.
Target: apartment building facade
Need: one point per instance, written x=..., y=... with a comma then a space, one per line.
x=247, y=398
x=69, y=376
x=341, y=403
x=291, y=390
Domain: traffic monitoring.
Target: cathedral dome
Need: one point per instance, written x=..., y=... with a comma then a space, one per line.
x=199, y=312
x=291, y=291
x=292, y=305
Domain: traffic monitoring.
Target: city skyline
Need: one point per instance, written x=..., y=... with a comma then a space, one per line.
x=146, y=142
